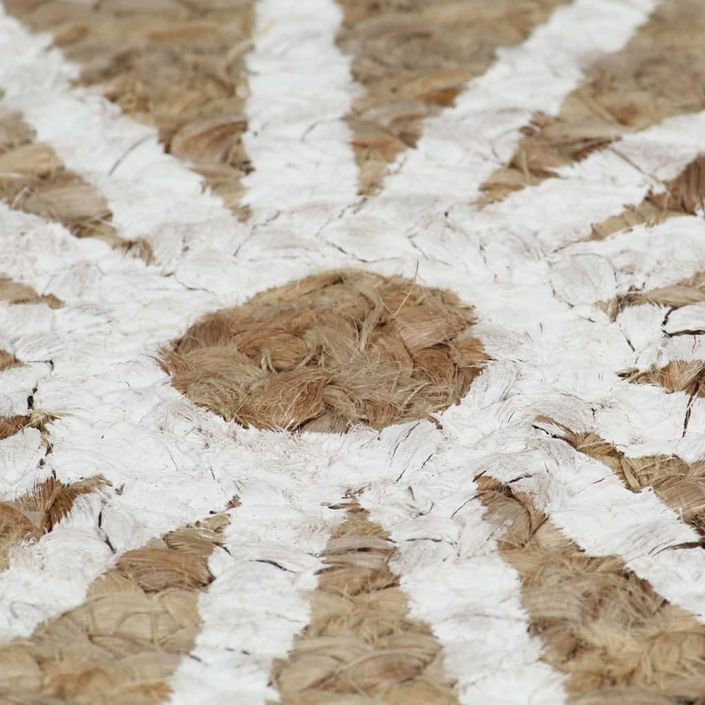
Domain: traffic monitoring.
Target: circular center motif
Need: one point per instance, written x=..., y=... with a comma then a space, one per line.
x=328, y=352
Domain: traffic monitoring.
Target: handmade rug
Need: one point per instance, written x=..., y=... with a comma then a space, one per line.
x=352, y=352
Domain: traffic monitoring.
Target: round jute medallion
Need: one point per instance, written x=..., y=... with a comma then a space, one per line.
x=329, y=352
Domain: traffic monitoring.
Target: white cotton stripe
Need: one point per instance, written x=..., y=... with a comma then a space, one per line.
x=16, y=384
x=460, y=586
x=151, y=194
x=644, y=419
x=559, y=211
x=641, y=258
x=173, y=463
x=117, y=415
x=44, y=576
x=20, y=458
x=463, y=145
x=687, y=348
x=592, y=507
x=259, y=599
x=47, y=257
x=496, y=431
x=688, y=319
x=300, y=92
x=453, y=574
x=537, y=220
x=251, y=612
x=657, y=340
x=642, y=328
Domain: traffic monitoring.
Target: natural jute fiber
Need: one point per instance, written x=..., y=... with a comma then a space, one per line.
x=679, y=484
x=617, y=641
x=330, y=351
x=676, y=376
x=121, y=645
x=33, y=179
x=7, y=360
x=29, y=517
x=413, y=57
x=361, y=645
x=654, y=77
x=289, y=291
x=175, y=65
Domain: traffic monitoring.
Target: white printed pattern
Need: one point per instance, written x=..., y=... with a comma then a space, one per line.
x=555, y=354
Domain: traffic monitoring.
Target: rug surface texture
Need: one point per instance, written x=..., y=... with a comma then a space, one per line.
x=352, y=352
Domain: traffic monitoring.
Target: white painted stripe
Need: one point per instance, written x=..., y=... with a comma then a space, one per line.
x=591, y=505
x=259, y=599
x=646, y=420
x=641, y=258
x=117, y=414
x=16, y=384
x=151, y=194
x=582, y=496
x=300, y=92
x=688, y=319
x=251, y=613
x=20, y=457
x=45, y=256
x=452, y=572
x=45, y=576
x=304, y=172
x=539, y=220
x=687, y=348
x=460, y=148
x=642, y=329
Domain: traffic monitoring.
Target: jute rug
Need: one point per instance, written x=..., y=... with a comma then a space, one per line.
x=352, y=352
